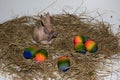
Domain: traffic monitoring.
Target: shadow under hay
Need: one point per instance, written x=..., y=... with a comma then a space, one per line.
x=16, y=35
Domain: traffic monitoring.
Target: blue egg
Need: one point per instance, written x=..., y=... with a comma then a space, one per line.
x=29, y=52
x=64, y=67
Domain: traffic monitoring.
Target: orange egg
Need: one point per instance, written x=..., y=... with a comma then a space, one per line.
x=91, y=46
x=41, y=55
x=40, y=58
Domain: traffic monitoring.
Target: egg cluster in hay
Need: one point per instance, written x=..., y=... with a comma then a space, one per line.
x=16, y=35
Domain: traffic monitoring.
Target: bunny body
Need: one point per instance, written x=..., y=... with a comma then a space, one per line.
x=44, y=34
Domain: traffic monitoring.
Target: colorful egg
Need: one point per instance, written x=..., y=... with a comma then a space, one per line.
x=30, y=52
x=80, y=47
x=63, y=63
x=41, y=55
x=79, y=39
x=91, y=46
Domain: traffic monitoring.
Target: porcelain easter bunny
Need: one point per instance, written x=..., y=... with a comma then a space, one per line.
x=44, y=34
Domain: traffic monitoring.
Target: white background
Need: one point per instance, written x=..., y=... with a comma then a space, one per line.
x=15, y=8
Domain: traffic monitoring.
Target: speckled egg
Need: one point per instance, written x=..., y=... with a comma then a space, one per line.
x=63, y=63
x=41, y=55
x=80, y=47
x=91, y=46
x=30, y=52
x=79, y=39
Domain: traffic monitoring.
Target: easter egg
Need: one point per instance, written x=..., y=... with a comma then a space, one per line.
x=30, y=52
x=41, y=55
x=91, y=46
x=79, y=39
x=63, y=63
x=80, y=47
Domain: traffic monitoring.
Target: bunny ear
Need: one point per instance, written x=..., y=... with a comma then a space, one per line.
x=42, y=17
x=46, y=22
x=47, y=14
x=43, y=20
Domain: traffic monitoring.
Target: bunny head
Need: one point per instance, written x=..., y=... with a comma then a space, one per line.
x=48, y=28
x=46, y=22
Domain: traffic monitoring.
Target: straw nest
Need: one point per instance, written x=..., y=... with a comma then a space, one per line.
x=15, y=36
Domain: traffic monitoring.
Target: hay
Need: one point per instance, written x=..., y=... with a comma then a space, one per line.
x=15, y=36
